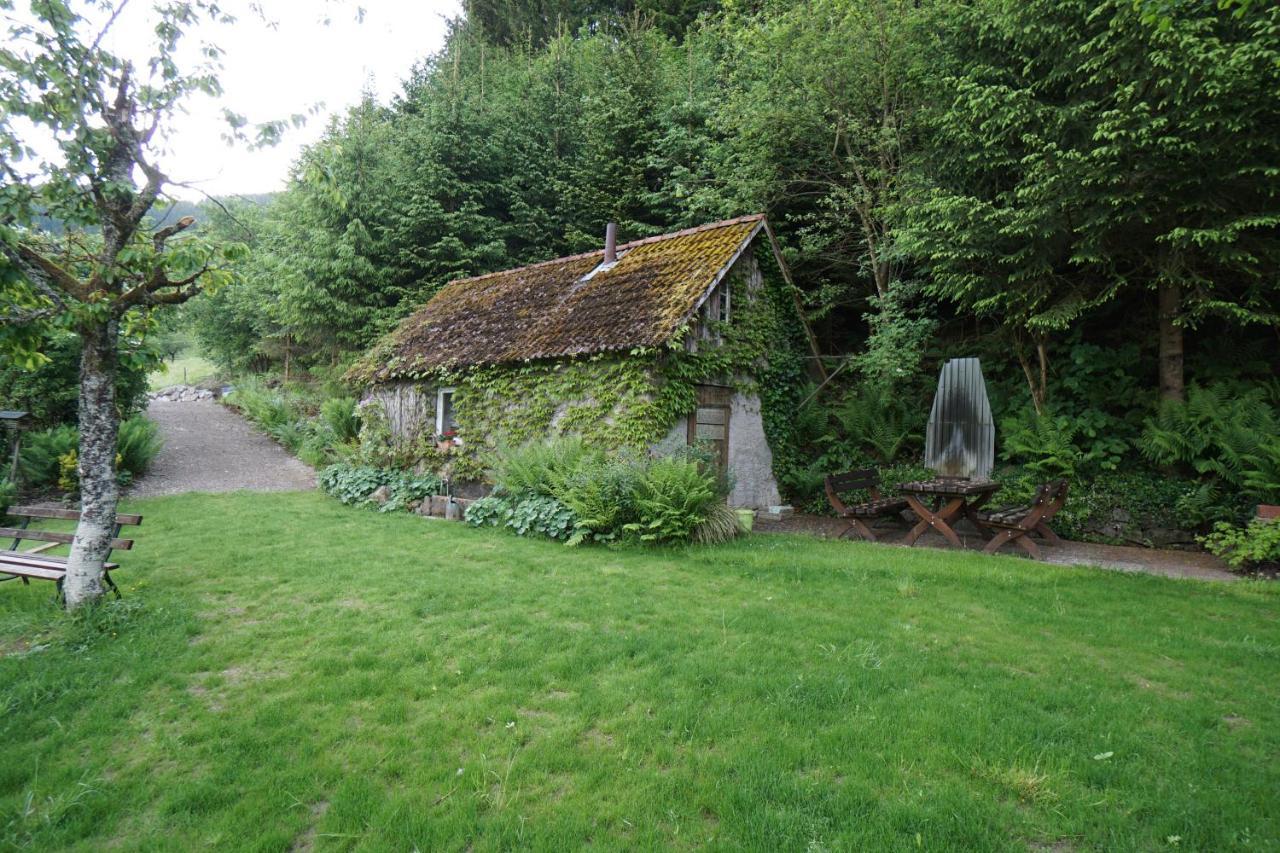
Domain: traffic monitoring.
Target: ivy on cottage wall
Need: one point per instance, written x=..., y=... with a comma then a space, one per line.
x=619, y=400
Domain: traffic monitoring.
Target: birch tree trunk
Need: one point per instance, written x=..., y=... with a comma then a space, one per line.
x=1172, y=380
x=99, y=428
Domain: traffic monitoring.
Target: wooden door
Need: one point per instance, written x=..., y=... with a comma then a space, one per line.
x=709, y=424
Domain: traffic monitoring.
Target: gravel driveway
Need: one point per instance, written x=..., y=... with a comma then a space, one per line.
x=208, y=448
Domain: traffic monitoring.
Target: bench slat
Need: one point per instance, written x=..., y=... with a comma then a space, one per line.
x=21, y=558
x=33, y=572
x=53, y=536
x=64, y=514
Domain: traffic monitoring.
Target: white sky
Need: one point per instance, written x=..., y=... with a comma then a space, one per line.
x=275, y=72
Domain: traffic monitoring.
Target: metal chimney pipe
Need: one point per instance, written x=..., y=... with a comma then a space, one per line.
x=611, y=243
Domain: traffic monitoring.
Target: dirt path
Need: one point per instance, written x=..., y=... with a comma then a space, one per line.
x=208, y=448
x=1120, y=558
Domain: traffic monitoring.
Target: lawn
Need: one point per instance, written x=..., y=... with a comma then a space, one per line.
x=288, y=672
x=187, y=369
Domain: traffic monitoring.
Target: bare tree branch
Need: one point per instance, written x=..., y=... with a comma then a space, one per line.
x=159, y=238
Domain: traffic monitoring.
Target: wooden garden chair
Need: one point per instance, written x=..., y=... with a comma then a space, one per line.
x=1016, y=524
x=857, y=514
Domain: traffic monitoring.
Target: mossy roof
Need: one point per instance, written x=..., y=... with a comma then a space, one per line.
x=555, y=309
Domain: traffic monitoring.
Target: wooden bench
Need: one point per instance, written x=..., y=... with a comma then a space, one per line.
x=1018, y=523
x=868, y=479
x=33, y=563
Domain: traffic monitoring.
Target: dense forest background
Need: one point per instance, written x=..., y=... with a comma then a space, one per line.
x=1084, y=194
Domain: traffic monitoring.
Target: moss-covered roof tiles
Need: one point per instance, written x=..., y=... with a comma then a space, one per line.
x=553, y=310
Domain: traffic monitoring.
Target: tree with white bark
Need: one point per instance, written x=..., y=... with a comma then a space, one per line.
x=80, y=133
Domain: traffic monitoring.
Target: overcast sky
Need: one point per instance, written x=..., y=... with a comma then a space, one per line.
x=274, y=72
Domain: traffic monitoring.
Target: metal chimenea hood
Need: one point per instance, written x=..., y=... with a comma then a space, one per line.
x=961, y=438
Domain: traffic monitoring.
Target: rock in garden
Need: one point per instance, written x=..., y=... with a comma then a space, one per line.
x=380, y=495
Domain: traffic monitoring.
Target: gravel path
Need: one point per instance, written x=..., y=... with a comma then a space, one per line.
x=208, y=448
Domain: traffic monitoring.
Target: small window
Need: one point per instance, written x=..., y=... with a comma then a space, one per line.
x=444, y=411
x=716, y=308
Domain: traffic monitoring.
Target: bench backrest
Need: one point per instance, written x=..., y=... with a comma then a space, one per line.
x=849, y=481
x=1053, y=492
x=1048, y=500
x=27, y=513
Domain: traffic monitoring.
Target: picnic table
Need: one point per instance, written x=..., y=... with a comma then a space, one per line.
x=952, y=498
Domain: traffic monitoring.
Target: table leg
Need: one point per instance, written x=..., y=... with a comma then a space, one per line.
x=938, y=520
x=971, y=513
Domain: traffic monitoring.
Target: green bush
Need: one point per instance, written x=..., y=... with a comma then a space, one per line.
x=352, y=485
x=528, y=516
x=877, y=422
x=673, y=497
x=601, y=495
x=50, y=393
x=1254, y=544
x=48, y=457
x=8, y=492
x=541, y=468
x=267, y=408
x=339, y=414
x=490, y=511
x=541, y=516
x=720, y=525
x=1230, y=440
x=315, y=429
x=137, y=446
x=1052, y=446
x=561, y=490
x=406, y=487
x=38, y=462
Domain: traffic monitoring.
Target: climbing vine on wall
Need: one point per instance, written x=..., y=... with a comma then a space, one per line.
x=621, y=400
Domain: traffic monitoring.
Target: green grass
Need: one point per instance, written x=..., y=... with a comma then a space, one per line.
x=288, y=671
x=197, y=368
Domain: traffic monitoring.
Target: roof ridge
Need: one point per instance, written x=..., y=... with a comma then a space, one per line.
x=656, y=238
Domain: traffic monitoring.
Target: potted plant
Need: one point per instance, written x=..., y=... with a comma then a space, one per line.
x=446, y=440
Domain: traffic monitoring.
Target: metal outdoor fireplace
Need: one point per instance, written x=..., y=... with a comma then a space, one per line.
x=961, y=437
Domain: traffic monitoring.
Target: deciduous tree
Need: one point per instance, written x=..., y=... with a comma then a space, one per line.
x=79, y=130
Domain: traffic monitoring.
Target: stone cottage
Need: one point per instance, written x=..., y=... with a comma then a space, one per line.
x=651, y=346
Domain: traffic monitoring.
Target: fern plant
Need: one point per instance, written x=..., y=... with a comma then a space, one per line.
x=1230, y=440
x=541, y=468
x=1060, y=446
x=879, y=423
x=673, y=498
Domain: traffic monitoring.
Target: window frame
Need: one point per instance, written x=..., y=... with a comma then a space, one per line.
x=722, y=303
x=440, y=392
